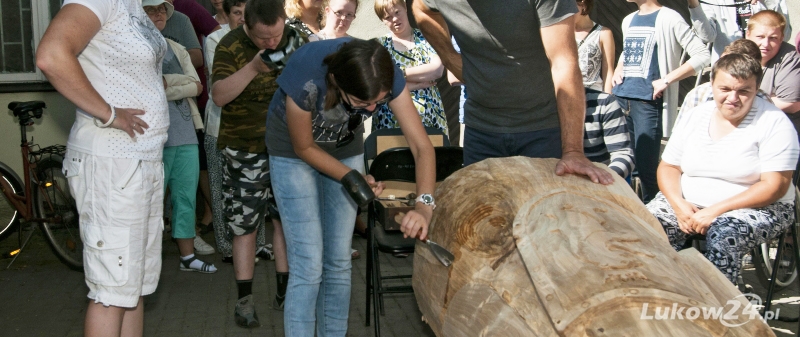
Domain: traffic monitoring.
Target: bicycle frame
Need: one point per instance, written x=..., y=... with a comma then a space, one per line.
x=24, y=203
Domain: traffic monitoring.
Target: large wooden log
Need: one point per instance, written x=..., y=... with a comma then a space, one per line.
x=543, y=255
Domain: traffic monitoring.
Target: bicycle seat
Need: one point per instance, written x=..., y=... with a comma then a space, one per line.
x=24, y=107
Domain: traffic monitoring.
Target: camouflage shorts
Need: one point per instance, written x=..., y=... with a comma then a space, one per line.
x=245, y=190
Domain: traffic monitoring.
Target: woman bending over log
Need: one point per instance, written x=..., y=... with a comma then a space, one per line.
x=314, y=139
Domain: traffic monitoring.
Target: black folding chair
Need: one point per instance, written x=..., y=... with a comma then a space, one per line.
x=395, y=164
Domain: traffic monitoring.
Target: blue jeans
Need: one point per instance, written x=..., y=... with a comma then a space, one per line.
x=644, y=121
x=480, y=145
x=318, y=218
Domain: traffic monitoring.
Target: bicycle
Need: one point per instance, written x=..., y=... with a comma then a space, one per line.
x=43, y=196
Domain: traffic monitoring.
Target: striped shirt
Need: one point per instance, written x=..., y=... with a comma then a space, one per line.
x=606, y=138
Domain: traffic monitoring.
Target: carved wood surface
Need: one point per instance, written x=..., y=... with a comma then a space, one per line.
x=542, y=255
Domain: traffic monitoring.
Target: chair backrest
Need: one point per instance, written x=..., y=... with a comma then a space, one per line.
x=384, y=139
x=398, y=164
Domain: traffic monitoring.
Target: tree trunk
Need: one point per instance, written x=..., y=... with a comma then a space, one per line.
x=543, y=255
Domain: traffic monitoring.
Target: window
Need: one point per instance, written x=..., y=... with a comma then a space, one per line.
x=22, y=24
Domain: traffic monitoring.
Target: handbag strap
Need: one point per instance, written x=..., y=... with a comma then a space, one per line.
x=587, y=35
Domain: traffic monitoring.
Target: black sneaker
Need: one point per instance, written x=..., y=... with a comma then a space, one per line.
x=245, y=313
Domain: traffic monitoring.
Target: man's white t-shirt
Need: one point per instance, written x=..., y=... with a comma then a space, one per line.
x=123, y=63
x=713, y=171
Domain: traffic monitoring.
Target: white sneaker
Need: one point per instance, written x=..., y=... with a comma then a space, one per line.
x=201, y=247
x=265, y=253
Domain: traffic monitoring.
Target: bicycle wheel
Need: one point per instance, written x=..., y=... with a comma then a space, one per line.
x=53, y=200
x=9, y=216
x=764, y=257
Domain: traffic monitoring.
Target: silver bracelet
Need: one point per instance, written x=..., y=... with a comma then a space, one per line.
x=110, y=119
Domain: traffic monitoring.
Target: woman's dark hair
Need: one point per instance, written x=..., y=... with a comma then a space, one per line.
x=587, y=6
x=228, y=4
x=744, y=46
x=362, y=68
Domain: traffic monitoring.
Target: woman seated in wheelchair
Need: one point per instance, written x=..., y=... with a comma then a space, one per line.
x=726, y=171
x=314, y=139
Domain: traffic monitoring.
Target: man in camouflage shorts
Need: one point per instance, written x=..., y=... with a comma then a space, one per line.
x=245, y=190
x=243, y=87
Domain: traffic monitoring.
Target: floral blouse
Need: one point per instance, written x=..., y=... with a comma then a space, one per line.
x=590, y=59
x=427, y=100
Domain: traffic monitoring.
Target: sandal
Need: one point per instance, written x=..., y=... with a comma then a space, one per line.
x=354, y=254
x=205, y=268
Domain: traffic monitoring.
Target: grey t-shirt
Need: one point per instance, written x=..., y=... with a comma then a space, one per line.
x=179, y=29
x=505, y=68
x=782, y=78
x=181, y=127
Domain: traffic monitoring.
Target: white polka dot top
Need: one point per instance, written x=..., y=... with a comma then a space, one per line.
x=123, y=63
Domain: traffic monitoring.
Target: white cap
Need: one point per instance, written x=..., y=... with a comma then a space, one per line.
x=170, y=8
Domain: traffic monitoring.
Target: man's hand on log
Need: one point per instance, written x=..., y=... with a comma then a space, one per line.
x=577, y=163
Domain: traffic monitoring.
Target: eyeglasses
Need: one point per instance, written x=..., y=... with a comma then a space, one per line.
x=344, y=16
x=155, y=10
x=362, y=109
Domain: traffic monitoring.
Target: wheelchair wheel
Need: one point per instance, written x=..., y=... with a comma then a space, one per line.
x=763, y=258
x=636, y=184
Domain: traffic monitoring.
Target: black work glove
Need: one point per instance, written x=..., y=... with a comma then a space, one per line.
x=358, y=188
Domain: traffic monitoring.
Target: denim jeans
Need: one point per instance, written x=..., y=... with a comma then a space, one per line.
x=318, y=218
x=480, y=145
x=644, y=121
